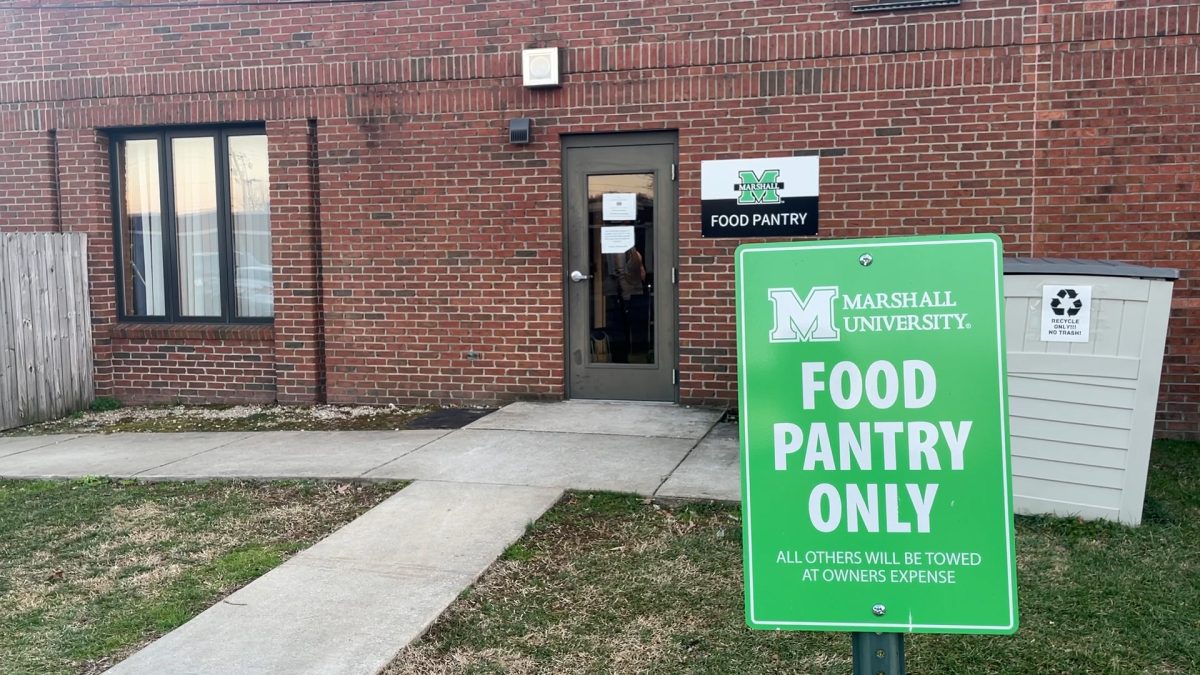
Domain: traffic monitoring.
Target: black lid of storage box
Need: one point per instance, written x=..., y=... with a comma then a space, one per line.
x=1089, y=268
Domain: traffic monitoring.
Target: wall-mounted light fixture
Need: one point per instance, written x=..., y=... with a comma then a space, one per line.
x=520, y=130
x=539, y=67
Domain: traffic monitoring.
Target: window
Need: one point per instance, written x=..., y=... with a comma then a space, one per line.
x=193, y=226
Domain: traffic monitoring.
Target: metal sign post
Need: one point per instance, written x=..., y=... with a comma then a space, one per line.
x=878, y=653
x=876, y=483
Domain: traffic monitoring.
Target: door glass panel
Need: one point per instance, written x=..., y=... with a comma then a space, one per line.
x=143, y=276
x=621, y=260
x=195, y=171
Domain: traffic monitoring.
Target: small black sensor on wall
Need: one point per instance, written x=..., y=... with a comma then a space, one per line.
x=520, y=130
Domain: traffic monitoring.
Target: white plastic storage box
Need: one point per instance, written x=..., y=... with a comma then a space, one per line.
x=1085, y=351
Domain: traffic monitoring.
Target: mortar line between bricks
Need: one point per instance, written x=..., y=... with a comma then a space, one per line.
x=494, y=78
x=197, y=454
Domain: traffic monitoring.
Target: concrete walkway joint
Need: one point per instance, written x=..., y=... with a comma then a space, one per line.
x=352, y=601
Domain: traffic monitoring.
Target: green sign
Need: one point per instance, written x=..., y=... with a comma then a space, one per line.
x=876, y=485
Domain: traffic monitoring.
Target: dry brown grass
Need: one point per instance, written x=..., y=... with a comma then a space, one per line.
x=610, y=584
x=159, y=418
x=91, y=570
x=588, y=593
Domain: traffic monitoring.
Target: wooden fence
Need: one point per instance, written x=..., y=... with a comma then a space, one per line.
x=45, y=327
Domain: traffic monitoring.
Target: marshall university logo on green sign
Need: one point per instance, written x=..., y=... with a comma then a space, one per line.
x=755, y=189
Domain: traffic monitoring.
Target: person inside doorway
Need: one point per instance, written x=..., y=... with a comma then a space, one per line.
x=635, y=299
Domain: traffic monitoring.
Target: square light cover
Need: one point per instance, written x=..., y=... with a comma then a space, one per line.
x=539, y=67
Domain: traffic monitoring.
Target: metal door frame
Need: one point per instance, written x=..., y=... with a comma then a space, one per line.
x=607, y=140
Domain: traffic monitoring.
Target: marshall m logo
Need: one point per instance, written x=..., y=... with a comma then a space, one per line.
x=756, y=189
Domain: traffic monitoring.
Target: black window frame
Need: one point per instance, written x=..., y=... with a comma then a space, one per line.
x=226, y=255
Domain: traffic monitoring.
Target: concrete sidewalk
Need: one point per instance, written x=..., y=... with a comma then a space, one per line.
x=352, y=601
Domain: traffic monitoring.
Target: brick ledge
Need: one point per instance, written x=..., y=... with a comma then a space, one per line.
x=192, y=331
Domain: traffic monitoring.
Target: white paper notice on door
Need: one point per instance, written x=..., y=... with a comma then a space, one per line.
x=616, y=239
x=1066, y=313
x=620, y=206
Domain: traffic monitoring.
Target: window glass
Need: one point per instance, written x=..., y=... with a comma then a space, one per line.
x=197, y=241
x=142, y=229
x=193, y=218
x=250, y=207
x=621, y=251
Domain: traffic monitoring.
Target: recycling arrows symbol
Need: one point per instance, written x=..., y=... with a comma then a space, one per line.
x=1066, y=302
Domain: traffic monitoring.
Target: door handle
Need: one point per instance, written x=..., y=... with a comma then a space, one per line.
x=578, y=276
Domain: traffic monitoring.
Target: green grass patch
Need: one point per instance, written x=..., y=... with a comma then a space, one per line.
x=610, y=584
x=92, y=569
x=104, y=404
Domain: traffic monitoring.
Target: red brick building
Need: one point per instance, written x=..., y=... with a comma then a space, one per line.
x=412, y=253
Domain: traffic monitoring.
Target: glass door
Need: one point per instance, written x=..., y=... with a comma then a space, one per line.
x=620, y=276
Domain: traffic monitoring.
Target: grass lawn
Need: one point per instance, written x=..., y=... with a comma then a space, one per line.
x=92, y=569
x=609, y=584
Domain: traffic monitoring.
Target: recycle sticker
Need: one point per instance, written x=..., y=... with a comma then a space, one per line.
x=1066, y=313
x=1066, y=301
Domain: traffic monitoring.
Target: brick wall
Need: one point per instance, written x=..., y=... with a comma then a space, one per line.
x=407, y=232
x=295, y=239
x=189, y=364
x=453, y=249
x=29, y=187
x=1116, y=175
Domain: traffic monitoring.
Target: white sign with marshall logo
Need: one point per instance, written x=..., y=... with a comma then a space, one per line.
x=770, y=197
x=1066, y=313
